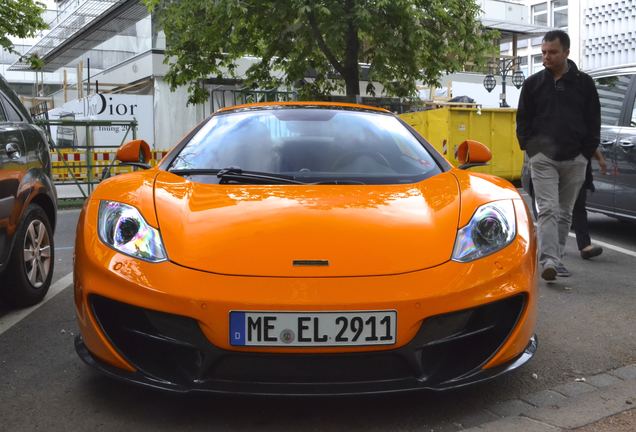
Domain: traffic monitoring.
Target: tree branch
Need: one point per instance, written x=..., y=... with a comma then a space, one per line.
x=322, y=45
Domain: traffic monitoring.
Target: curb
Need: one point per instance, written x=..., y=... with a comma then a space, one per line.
x=567, y=406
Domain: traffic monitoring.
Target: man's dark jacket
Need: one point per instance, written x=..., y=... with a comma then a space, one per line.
x=560, y=119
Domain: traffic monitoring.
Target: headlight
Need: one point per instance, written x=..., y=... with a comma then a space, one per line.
x=123, y=228
x=492, y=227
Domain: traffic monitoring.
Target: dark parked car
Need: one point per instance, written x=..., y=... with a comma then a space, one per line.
x=27, y=205
x=616, y=190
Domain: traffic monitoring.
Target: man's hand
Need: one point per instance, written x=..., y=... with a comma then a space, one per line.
x=602, y=165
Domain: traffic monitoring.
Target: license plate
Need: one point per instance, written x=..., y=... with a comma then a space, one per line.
x=313, y=328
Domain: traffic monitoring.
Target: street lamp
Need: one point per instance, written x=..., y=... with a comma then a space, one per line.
x=505, y=67
x=489, y=82
x=518, y=78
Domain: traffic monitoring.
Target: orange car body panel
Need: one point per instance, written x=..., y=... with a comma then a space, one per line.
x=136, y=190
x=478, y=189
x=256, y=230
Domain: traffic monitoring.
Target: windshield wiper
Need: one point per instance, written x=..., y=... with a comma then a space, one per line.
x=339, y=182
x=193, y=171
x=236, y=174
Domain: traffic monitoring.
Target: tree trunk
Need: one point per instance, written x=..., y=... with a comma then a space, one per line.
x=352, y=82
x=351, y=67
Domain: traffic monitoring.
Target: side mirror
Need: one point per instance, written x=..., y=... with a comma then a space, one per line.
x=134, y=153
x=472, y=153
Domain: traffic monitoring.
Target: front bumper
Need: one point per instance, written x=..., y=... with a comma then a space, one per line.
x=171, y=353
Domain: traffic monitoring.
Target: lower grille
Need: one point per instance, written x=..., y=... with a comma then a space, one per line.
x=161, y=345
x=454, y=345
x=173, y=349
x=307, y=369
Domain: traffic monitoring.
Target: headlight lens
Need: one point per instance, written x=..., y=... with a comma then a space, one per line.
x=123, y=228
x=492, y=227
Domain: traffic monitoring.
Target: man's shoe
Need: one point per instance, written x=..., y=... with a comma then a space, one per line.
x=549, y=273
x=591, y=252
x=561, y=271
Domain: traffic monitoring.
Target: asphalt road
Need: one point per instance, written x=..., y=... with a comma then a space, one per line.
x=586, y=326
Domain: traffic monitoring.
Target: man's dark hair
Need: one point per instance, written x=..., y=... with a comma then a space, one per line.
x=562, y=36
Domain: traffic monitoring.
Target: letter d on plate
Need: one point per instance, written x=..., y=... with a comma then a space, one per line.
x=237, y=328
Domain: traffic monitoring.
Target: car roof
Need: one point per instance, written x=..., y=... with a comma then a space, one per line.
x=626, y=69
x=303, y=104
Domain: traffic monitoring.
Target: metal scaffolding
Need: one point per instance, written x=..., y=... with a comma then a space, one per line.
x=80, y=27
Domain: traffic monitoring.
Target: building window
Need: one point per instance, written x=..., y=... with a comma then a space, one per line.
x=540, y=14
x=523, y=65
x=560, y=14
x=537, y=63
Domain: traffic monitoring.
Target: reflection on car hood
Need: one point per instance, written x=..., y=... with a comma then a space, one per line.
x=262, y=230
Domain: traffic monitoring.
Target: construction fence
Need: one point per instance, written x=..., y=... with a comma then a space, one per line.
x=69, y=165
x=81, y=155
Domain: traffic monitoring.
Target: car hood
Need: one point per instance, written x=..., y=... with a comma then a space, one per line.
x=296, y=230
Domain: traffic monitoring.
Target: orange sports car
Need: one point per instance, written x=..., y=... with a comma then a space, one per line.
x=305, y=248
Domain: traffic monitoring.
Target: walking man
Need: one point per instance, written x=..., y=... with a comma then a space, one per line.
x=558, y=125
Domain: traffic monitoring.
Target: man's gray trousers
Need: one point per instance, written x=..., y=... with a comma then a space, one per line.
x=556, y=186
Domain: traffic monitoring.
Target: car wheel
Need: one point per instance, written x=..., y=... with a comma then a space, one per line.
x=31, y=264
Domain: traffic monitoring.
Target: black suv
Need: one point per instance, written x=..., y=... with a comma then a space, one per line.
x=27, y=205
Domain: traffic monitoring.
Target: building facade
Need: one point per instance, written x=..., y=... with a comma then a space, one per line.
x=609, y=29
x=556, y=14
x=602, y=32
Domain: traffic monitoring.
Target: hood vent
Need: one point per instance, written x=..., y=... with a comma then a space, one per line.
x=317, y=263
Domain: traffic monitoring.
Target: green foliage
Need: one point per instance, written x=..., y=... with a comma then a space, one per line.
x=22, y=19
x=402, y=41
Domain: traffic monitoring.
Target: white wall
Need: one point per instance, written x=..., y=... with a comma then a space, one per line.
x=471, y=85
x=173, y=117
x=134, y=69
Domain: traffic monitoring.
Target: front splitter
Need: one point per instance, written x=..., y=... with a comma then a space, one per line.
x=304, y=389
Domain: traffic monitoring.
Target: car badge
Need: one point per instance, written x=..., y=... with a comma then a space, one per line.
x=287, y=336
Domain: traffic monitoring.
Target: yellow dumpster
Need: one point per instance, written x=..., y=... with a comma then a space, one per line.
x=447, y=127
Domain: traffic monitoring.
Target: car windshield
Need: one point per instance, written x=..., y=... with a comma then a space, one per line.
x=311, y=145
